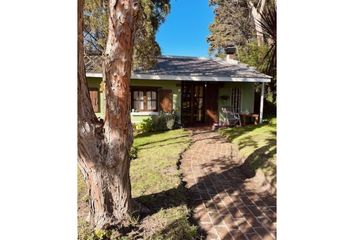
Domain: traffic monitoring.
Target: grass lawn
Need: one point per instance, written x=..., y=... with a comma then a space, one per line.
x=156, y=183
x=257, y=144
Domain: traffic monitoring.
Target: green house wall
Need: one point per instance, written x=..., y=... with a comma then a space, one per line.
x=175, y=86
x=247, y=96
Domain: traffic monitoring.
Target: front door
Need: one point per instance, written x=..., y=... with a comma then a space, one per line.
x=211, y=103
x=193, y=103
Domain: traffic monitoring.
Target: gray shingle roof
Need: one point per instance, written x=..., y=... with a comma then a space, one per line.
x=188, y=66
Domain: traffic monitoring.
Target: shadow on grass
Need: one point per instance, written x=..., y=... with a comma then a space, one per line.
x=263, y=148
x=246, y=207
x=154, y=144
x=163, y=139
x=183, y=228
x=227, y=195
x=163, y=200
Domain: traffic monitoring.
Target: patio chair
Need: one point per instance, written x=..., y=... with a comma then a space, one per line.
x=232, y=117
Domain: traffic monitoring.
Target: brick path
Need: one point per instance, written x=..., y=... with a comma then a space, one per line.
x=226, y=204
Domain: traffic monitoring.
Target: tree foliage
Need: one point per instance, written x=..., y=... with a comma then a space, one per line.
x=268, y=24
x=253, y=55
x=232, y=25
x=146, y=49
x=235, y=25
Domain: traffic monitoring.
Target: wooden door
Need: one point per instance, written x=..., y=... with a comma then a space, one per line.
x=193, y=103
x=211, y=103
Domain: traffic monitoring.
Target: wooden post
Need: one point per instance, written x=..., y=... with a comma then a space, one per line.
x=261, y=105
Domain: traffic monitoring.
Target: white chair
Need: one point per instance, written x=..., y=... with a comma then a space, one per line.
x=232, y=118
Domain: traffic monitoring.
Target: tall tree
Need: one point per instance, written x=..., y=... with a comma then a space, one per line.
x=250, y=26
x=146, y=49
x=232, y=26
x=257, y=11
x=268, y=24
x=103, y=148
x=236, y=23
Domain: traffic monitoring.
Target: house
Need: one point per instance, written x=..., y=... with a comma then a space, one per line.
x=195, y=88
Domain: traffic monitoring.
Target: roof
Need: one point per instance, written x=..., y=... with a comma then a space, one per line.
x=188, y=69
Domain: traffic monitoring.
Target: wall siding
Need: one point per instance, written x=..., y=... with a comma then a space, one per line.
x=175, y=86
x=247, y=95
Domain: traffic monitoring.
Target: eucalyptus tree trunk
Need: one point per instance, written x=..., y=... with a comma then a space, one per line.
x=103, y=147
x=256, y=15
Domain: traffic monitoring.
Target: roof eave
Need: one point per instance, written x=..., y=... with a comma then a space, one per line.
x=191, y=78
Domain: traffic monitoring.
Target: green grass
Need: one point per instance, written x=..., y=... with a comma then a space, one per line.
x=257, y=144
x=156, y=183
x=155, y=168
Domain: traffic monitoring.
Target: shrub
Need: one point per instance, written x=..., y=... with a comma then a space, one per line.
x=87, y=233
x=133, y=153
x=145, y=126
x=163, y=122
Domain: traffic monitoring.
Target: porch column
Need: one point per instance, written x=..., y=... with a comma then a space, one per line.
x=261, y=104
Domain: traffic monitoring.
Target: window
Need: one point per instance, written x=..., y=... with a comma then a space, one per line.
x=94, y=95
x=144, y=100
x=236, y=99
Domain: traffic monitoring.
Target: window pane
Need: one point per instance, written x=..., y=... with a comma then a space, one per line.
x=144, y=100
x=236, y=99
x=135, y=95
x=154, y=95
x=136, y=105
x=153, y=105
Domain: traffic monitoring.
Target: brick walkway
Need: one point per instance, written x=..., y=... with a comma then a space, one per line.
x=226, y=204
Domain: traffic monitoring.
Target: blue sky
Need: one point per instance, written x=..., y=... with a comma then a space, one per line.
x=185, y=30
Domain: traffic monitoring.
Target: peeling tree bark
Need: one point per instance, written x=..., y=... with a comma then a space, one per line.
x=256, y=15
x=103, y=148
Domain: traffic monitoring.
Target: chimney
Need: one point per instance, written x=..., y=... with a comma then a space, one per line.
x=230, y=54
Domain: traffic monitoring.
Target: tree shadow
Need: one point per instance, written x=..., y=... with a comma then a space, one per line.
x=231, y=134
x=158, y=141
x=227, y=196
x=154, y=145
x=163, y=200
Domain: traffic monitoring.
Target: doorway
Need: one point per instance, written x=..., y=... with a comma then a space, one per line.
x=193, y=107
x=199, y=103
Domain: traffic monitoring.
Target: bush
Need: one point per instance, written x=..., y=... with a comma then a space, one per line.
x=85, y=232
x=145, y=126
x=133, y=153
x=162, y=122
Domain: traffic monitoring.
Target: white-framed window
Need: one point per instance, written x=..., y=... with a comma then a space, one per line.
x=144, y=100
x=236, y=99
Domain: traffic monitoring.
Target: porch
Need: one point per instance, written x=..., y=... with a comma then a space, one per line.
x=202, y=103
